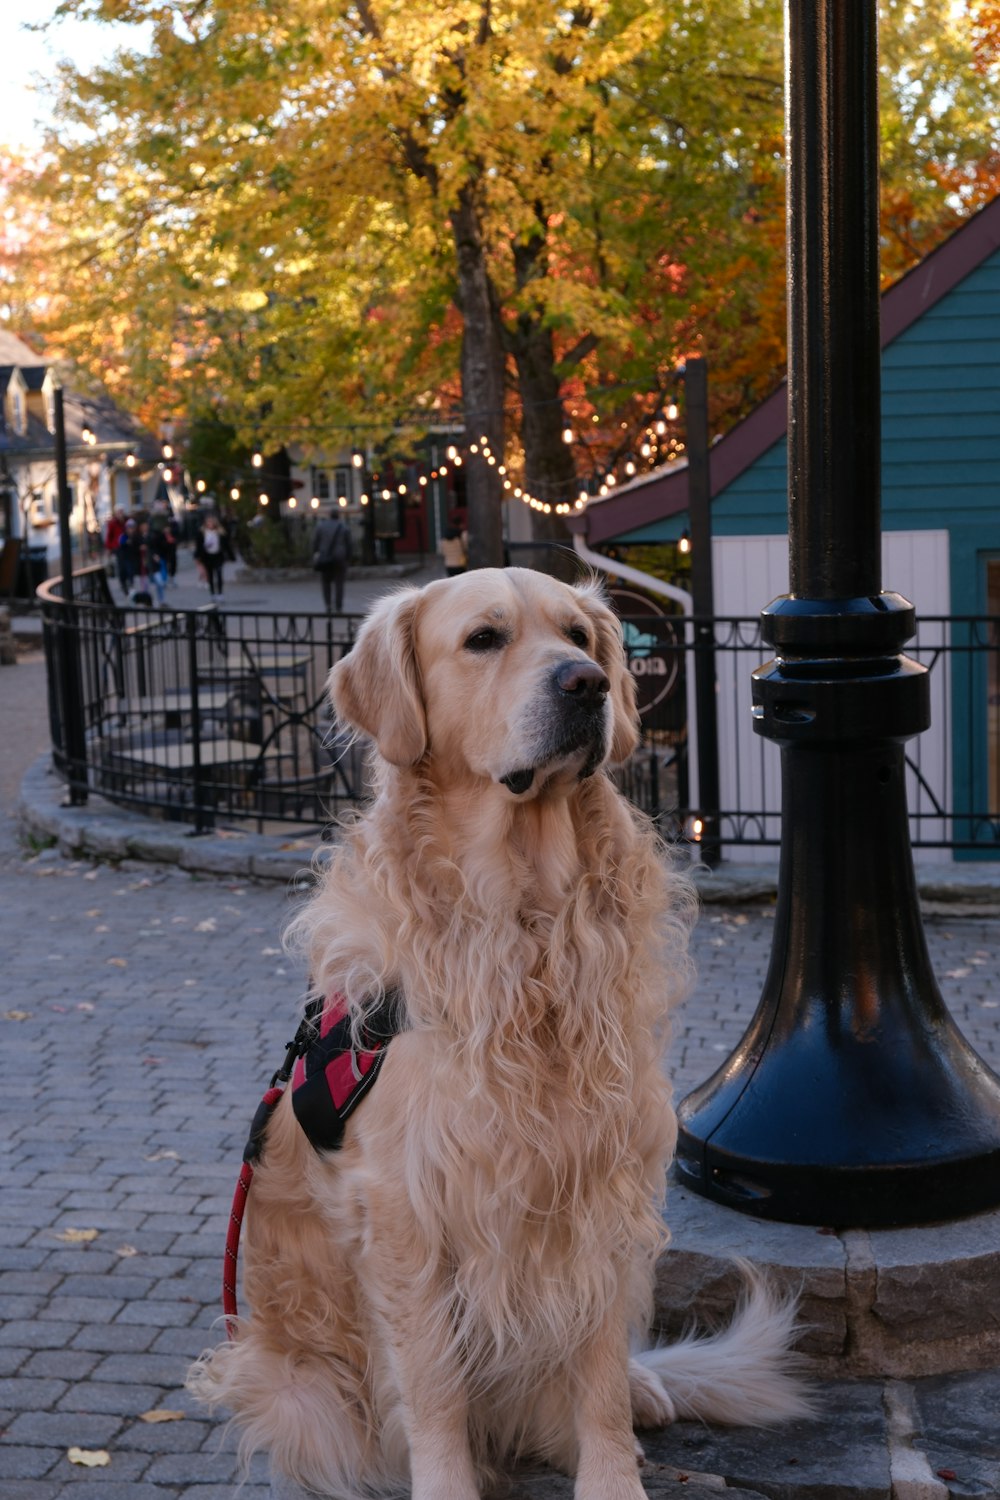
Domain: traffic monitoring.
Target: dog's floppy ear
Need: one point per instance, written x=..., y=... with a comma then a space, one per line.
x=376, y=688
x=611, y=656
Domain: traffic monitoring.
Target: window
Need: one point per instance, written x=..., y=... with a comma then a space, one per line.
x=342, y=484
x=321, y=488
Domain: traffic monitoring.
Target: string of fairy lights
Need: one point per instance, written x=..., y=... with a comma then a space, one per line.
x=653, y=444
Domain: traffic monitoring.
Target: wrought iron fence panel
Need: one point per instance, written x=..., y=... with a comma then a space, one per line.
x=220, y=718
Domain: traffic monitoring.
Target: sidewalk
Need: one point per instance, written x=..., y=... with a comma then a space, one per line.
x=143, y=1009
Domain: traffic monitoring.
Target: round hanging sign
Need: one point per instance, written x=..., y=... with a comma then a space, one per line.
x=654, y=643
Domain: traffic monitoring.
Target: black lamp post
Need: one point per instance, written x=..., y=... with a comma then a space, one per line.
x=852, y=1098
x=71, y=734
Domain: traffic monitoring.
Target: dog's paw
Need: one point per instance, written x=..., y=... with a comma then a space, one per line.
x=651, y=1406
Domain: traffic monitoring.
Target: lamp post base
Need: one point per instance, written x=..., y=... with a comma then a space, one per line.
x=852, y=1099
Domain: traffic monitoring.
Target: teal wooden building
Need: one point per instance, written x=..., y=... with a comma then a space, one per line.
x=940, y=518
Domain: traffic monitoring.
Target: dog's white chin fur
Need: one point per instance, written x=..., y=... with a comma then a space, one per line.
x=458, y=1286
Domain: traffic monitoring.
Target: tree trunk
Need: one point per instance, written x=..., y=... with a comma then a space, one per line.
x=482, y=384
x=549, y=470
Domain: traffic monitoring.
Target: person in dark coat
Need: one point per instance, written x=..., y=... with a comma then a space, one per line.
x=211, y=550
x=332, y=557
x=127, y=556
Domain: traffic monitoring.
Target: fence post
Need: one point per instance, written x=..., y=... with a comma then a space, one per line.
x=703, y=596
x=201, y=820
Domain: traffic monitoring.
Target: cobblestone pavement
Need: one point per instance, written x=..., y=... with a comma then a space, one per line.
x=142, y=1012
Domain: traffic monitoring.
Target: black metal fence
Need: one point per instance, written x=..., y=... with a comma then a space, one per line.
x=217, y=718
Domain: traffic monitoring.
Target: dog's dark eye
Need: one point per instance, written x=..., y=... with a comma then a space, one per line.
x=487, y=639
x=578, y=636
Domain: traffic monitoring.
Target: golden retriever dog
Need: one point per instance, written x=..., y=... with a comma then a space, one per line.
x=467, y=1281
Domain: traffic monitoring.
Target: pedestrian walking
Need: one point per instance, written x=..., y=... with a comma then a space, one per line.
x=113, y=531
x=332, y=557
x=212, y=550
x=127, y=556
x=452, y=549
x=153, y=564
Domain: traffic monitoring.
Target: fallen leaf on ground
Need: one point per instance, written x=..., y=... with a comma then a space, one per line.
x=161, y=1414
x=17, y=1015
x=163, y=1156
x=957, y=973
x=208, y=925
x=741, y=920
x=77, y=1236
x=126, y=1251
x=118, y=963
x=89, y=1458
x=95, y=911
x=102, y=927
x=270, y=952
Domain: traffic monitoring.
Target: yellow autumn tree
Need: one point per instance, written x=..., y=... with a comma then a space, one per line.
x=328, y=215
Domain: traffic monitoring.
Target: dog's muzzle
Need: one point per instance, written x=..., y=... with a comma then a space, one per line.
x=576, y=721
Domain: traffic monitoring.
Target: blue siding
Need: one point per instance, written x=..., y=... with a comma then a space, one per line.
x=940, y=438
x=940, y=471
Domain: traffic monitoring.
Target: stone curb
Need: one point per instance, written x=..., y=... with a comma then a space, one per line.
x=903, y=1303
x=102, y=830
x=106, y=831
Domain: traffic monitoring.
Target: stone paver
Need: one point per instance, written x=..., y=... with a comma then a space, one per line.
x=142, y=1011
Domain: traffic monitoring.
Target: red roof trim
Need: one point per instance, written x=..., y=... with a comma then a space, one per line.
x=904, y=302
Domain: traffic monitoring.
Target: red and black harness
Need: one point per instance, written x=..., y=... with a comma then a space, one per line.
x=330, y=1074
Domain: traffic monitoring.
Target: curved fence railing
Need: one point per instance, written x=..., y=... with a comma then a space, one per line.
x=220, y=718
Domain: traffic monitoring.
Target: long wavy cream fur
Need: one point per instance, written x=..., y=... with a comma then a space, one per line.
x=497, y=1203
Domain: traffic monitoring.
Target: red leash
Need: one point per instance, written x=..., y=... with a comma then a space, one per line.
x=232, y=1256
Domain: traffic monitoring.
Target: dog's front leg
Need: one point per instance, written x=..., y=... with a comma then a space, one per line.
x=435, y=1412
x=607, y=1468
x=431, y=1390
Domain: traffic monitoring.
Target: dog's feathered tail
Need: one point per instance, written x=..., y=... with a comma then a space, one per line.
x=747, y=1373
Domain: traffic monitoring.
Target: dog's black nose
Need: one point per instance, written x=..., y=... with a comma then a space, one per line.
x=583, y=680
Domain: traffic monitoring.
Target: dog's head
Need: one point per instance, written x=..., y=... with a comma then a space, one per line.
x=505, y=675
